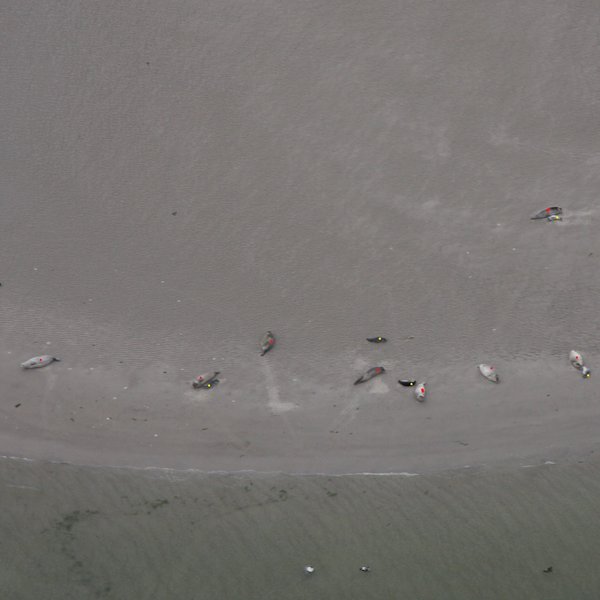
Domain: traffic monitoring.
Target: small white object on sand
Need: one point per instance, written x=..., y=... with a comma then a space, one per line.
x=309, y=569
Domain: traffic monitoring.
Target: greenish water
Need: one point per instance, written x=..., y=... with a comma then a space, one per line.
x=72, y=532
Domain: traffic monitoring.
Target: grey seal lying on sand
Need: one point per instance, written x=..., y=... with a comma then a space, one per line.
x=372, y=372
x=205, y=381
x=267, y=343
x=39, y=361
x=421, y=392
x=577, y=361
x=551, y=211
x=489, y=373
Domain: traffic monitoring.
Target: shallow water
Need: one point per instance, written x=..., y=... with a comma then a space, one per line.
x=79, y=532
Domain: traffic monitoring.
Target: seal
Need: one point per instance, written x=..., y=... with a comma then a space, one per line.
x=267, y=342
x=576, y=359
x=39, y=361
x=377, y=340
x=407, y=382
x=548, y=212
x=489, y=373
x=372, y=372
x=206, y=381
x=421, y=392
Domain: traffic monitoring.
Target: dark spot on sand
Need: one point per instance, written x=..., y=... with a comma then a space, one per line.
x=17, y=405
x=174, y=213
x=548, y=570
x=204, y=428
x=331, y=494
x=147, y=63
x=72, y=419
x=283, y=494
x=71, y=519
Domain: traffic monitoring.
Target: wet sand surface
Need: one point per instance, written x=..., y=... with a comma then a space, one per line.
x=181, y=177
x=72, y=532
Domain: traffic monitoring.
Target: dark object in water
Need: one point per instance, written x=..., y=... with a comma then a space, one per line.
x=267, y=343
x=407, y=382
x=372, y=372
x=205, y=381
x=548, y=570
x=548, y=212
x=377, y=340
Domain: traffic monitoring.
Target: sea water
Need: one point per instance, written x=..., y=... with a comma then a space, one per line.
x=73, y=532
